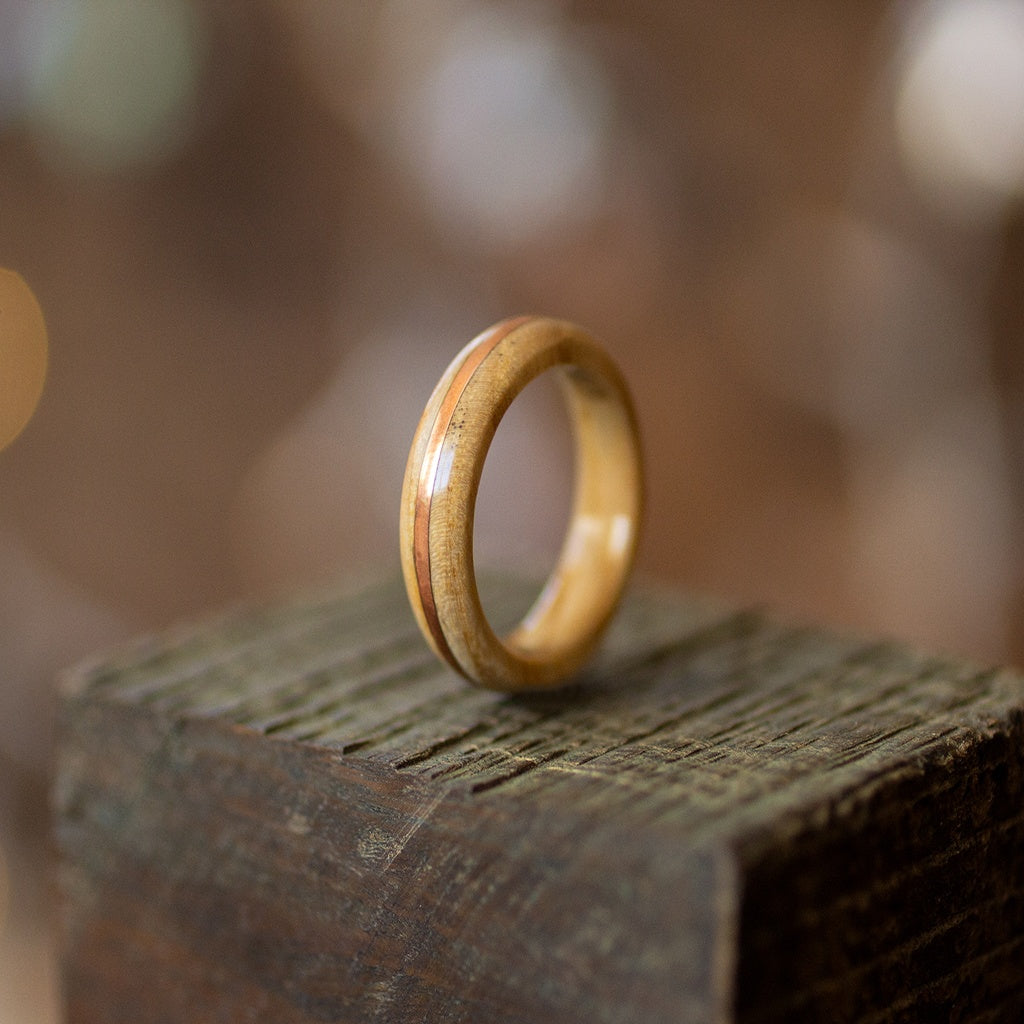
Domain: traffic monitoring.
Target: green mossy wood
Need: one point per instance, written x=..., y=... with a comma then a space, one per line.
x=298, y=814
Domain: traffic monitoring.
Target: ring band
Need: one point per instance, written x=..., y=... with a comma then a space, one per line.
x=442, y=477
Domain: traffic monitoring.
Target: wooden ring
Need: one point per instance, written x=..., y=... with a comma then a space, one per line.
x=566, y=621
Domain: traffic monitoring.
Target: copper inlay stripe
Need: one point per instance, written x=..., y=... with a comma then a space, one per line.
x=428, y=473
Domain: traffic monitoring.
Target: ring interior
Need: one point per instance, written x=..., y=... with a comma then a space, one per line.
x=582, y=591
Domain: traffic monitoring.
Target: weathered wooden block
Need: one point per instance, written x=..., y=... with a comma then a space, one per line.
x=299, y=815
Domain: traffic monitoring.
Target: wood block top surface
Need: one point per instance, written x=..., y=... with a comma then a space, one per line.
x=716, y=719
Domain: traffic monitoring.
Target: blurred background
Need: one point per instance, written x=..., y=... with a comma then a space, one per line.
x=259, y=229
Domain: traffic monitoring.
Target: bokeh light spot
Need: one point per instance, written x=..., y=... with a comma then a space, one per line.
x=15, y=15
x=23, y=355
x=960, y=107
x=512, y=127
x=113, y=82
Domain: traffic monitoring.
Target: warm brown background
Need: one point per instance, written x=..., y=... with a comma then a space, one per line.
x=259, y=230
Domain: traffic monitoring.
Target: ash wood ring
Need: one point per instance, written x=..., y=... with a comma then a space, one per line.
x=442, y=477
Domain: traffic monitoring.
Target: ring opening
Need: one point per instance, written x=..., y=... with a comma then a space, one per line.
x=524, y=502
